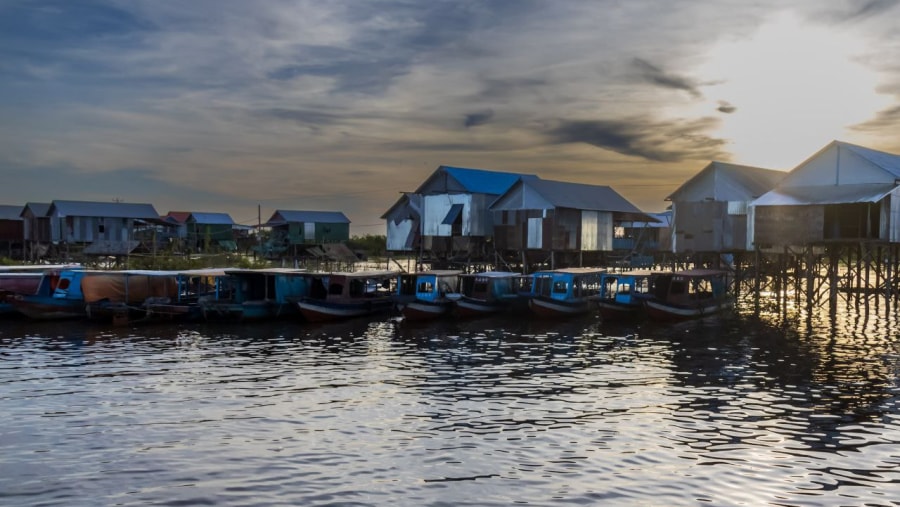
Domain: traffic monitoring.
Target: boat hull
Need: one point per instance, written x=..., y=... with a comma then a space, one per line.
x=546, y=307
x=315, y=310
x=665, y=312
x=423, y=310
x=613, y=311
x=48, y=308
x=467, y=307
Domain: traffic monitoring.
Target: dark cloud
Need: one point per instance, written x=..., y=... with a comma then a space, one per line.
x=858, y=11
x=726, y=107
x=302, y=116
x=480, y=118
x=655, y=75
x=885, y=120
x=663, y=141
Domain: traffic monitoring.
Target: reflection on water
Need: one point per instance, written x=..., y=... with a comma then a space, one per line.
x=790, y=407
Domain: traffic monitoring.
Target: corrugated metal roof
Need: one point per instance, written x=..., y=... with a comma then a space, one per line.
x=39, y=209
x=326, y=217
x=10, y=212
x=562, y=194
x=179, y=217
x=212, y=218
x=722, y=181
x=105, y=209
x=477, y=181
x=825, y=194
x=887, y=161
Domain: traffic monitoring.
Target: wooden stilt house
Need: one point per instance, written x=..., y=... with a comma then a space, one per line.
x=709, y=211
x=560, y=221
x=844, y=192
x=12, y=231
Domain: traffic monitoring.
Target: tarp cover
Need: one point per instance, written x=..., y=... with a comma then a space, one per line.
x=132, y=289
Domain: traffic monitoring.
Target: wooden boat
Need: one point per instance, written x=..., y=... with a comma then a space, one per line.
x=688, y=294
x=58, y=296
x=121, y=296
x=622, y=295
x=194, y=286
x=564, y=292
x=486, y=293
x=23, y=279
x=429, y=292
x=335, y=296
x=12, y=283
x=256, y=294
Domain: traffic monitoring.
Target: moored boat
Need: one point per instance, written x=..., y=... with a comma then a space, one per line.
x=121, y=296
x=58, y=295
x=689, y=294
x=564, y=292
x=486, y=293
x=622, y=294
x=426, y=296
x=336, y=296
x=256, y=294
x=16, y=283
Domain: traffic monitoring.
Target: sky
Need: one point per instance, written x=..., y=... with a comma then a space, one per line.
x=246, y=107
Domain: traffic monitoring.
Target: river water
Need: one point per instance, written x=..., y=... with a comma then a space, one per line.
x=787, y=408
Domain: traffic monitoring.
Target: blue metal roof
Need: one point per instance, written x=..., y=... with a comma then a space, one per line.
x=887, y=161
x=104, y=209
x=10, y=212
x=38, y=209
x=325, y=217
x=479, y=181
x=211, y=218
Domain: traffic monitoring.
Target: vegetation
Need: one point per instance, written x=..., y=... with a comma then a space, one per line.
x=372, y=245
x=179, y=263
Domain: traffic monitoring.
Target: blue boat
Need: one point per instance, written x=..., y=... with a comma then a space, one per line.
x=486, y=293
x=564, y=292
x=622, y=295
x=425, y=295
x=689, y=294
x=257, y=294
x=58, y=296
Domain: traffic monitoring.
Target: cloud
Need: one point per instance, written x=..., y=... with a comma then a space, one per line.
x=725, y=107
x=888, y=119
x=476, y=119
x=655, y=75
x=662, y=141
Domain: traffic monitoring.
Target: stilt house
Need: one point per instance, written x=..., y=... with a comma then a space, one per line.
x=844, y=192
x=12, y=231
x=455, y=219
x=309, y=227
x=115, y=224
x=404, y=223
x=560, y=217
x=709, y=211
x=36, y=225
x=210, y=231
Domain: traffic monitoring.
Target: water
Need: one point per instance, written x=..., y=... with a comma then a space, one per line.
x=788, y=408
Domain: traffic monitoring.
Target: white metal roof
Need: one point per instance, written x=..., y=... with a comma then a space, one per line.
x=825, y=194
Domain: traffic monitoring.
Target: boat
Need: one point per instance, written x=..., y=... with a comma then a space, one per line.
x=424, y=295
x=336, y=296
x=689, y=294
x=622, y=294
x=486, y=293
x=121, y=296
x=256, y=294
x=58, y=295
x=564, y=292
x=12, y=283
x=195, y=287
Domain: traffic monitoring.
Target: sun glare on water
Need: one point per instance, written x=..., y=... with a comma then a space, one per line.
x=794, y=88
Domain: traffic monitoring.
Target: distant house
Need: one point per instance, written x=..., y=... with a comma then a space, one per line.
x=709, y=211
x=210, y=231
x=645, y=237
x=110, y=226
x=453, y=209
x=309, y=227
x=404, y=223
x=843, y=192
x=178, y=220
x=12, y=230
x=36, y=225
x=558, y=216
